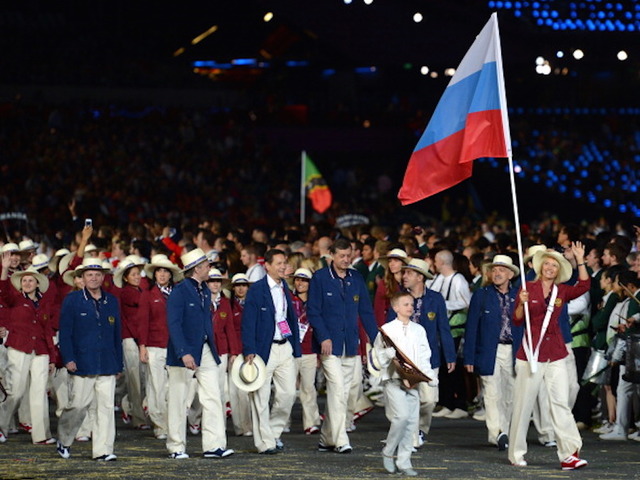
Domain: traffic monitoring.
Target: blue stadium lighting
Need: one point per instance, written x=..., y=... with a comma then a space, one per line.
x=365, y=70
x=327, y=72
x=577, y=194
x=606, y=202
x=211, y=64
x=535, y=179
x=562, y=188
x=244, y=61
x=297, y=63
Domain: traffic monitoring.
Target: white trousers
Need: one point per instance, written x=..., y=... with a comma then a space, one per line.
x=60, y=387
x=240, y=409
x=338, y=372
x=306, y=366
x=498, y=393
x=429, y=397
x=268, y=424
x=134, y=381
x=157, y=389
x=624, y=398
x=552, y=377
x=402, y=409
x=357, y=400
x=83, y=390
x=22, y=369
x=213, y=426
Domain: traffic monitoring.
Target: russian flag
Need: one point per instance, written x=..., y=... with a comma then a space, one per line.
x=469, y=122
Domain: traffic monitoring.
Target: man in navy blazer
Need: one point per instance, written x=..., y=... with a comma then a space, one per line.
x=491, y=342
x=192, y=353
x=91, y=349
x=270, y=330
x=430, y=311
x=338, y=296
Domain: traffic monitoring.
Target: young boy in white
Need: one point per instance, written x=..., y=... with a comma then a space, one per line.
x=402, y=402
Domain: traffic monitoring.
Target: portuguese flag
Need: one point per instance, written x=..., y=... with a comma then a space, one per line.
x=314, y=185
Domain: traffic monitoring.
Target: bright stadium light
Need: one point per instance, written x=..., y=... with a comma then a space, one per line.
x=578, y=54
x=417, y=17
x=449, y=72
x=268, y=16
x=368, y=2
x=622, y=55
x=559, y=54
x=540, y=61
x=424, y=70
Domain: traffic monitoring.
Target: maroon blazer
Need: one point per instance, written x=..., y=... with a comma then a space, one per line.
x=152, y=326
x=29, y=326
x=130, y=311
x=224, y=331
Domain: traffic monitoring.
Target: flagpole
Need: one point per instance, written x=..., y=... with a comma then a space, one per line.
x=302, y=189
x=529, y=343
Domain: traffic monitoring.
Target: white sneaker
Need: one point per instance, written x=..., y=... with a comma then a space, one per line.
x=480, y=415
x=606, y=427
x=351, y=428
x=3, y=439
x=457, y=414
x=614, y=435
x=443, y=412
x=178, y=455
x=194, y=429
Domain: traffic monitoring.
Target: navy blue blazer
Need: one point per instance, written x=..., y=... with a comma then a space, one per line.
x=333, y=313
x=482, y=334
x=258, y=321
x=89, y=336
x=434, y=319
x=189, y=322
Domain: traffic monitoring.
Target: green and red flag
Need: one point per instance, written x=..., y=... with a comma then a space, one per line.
x=314, y=185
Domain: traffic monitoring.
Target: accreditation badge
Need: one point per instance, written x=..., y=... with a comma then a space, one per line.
x=356, y=298
x=431, y=315
x=112, y=320
x=558, y=302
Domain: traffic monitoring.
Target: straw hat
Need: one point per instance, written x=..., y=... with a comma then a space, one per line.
x=10, y=247
x=69, y=275
x=137, y=259
x=373, y=366
x=248, y=377
x=43, y=281
x=91, y=263
x=90, y=248
x=397, y=253
x=106, y=264
x=64, y=262
x=565, y=271
x=27, y=245
x=531, y=251
x=40, y=261
x=419, y=266
x=123, y=267
x=502, y=261
x=303, y=273
x=240, y=279
x=162, y=261
x=215, y=274
x=192, y=259
x=55, y=260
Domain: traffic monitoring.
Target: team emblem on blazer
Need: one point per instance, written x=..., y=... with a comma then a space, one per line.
x=431, y=315
x=112, y=319
x=558, y=302
x=44, y=316
x=223, y=314
x=356, y=298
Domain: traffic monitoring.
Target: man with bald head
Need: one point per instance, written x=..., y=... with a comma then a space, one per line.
x=457, y=296
x=324, y=246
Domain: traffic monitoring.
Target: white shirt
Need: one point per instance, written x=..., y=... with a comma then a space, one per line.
x=618, y=316
x=279, y=302
x=256, y=273
x=458, y=296
x=412, y=340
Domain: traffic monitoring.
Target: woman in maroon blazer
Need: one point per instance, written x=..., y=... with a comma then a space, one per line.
x=239, y=399
x=30, y=350
x=127, y=278
x=153, y=336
